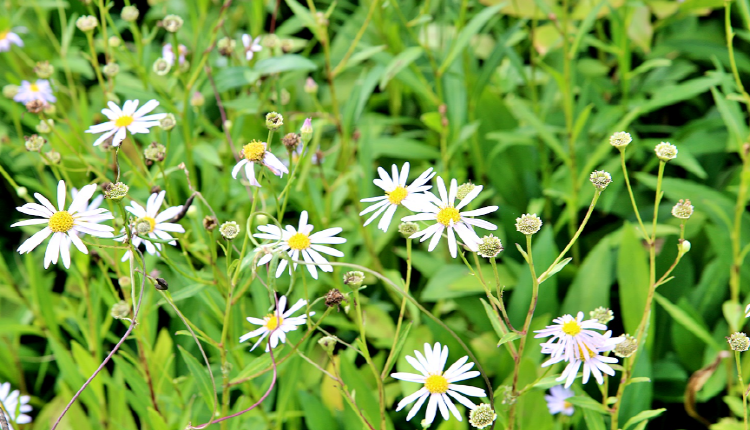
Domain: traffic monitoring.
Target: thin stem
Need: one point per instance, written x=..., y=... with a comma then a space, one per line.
x=742, y=385
x=630, y=192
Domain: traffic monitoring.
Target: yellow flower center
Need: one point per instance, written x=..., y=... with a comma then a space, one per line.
x=567, y=404
x=436, y=384
x=254, y=151
x=397, y=195
x=273, y=322
x=61, y=222
x=4, y=34
x=124, y=121
x=586, y=355
x=33, y=87
x=448, y=216
x=151, y=223
x=299, y=241
x=571, y=328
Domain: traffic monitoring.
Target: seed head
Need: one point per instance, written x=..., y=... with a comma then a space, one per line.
x=44, y=69
x=168, y=122
x=120, y=310
x=490, y=247
x=306, y=131
x=54, y=157
x=408, y=228
x=10, y=91
x=161, y=66
x=291, y=141
x=602, y=315
x=665, y=151
x=226, y=46
x=111, y=69
x=229, y=230
x=87, y=23
x=129, y=13
x=482, y=416
x=528, y=224
x=620, y=139
x=35, y=106
x=115, y=191
x=354, y=279
x=210, y=222
x=34, y=142
x=464, y=190
x=328, y=343
x=739, y=342
x=311, y=87
x=334, y=298
x=627, y=347
x=274, y=120
x=683, y=209
x=600, y=179
x=197, y=100
x=172, y=23
x=155, y=152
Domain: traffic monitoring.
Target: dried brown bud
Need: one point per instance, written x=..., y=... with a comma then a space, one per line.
x=334, y=298
x=35, y=106
x=161, y=284
x=155, y=189
x=210, y=222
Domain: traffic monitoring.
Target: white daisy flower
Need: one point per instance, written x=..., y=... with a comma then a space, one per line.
x=571, y=336
x=257, y=152
x=168, y=54
x=94, y=204
x=251, y=46
x=300, y=241
x=153, y=224
x=7, y=39
x=396, y=193
x=439, y=386
x=556, y=400
x=64, y=225
x=278, y=324
x=449, y=217
x=39, y=90
x=16, y=405
x=126, y=119
x=747, y=311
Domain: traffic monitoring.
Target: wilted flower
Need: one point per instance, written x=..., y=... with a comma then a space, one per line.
x=34, y=142
x=627, y=347
x=666, y=151
x=155, y=152
x=87, y=23
x=229, y=230
x=129, y=13
x=35, y=106
x=290, y=141
x=408, y=228
x=334, y=298
x=683, y=209
x=490, y=247
x=528, y=224
x=482, y=416
x=274, y=120
x=620, y=139
x=210, y=222
x=600, y=179
x=172, y=23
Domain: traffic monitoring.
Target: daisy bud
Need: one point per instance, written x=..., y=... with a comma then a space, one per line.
x=226, y=46
x=226, y=368
x=111, y=70
x=600, y=179
x=306, y=131
x=328, y=343
x=424, y=423
x=274, y=120
x=161, y=284
x=321, y=19
x=665, y=151
x=114, y=41
x=482, y=416
x=192, y=212
x=197, y=100
x=620, y=139
x=602, y=314
x=10, y=91
x=129, y=13
x=210, y=222
x=172, y=23
x=35, y=106
x=291, y=141
x=408, y=228
x=627, y=347
x=115, y=191
x=229, y=230
x=261, y=219
x=87, y=23
x=334, y=298
x=49, y=109
x=120, y=310
x=44, y=69
x=124, y=281
x=738, y=342
x=22, y=192
x=464, y=190
x=683, y=247
x=227, y=124
x=155, y=152
x=270, y=41
x=683, y=209
x=354, y=279
x=311, y=87
x=168, y=122
x=490, y=247
x=161, y=67
x=45, y=126
x=53, y=157
x=34, y=142
x=528, y=224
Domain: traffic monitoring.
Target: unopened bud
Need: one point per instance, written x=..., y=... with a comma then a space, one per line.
x=602, y=315
x=490, y=247
x=129, y=13
x=115, y=191
x=738, y=342
x=111, y=70
x=600, y=179
x=683, y=209
x=172, y=23
x=464, y=190
x=197, y=100
x=155, y=152
x=306, y=131
x=120, y=310
x=87, y=23
x=354, y=279
x=161, y=284
x=226, y=46
x=274, y=120
x=311, y=87
x=229, y=230
x=408, y=228
x=328, y=343
x=10, y=91
x=665, y=151
x=168, y=122
x=210, y=222
x=34, y=142
x=161, y=66
x=44, y=69
x=627, y=347
x=482, y=416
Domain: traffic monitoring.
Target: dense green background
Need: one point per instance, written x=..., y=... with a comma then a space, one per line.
x=527, y=115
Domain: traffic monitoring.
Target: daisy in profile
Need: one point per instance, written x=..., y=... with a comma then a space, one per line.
x=571, y=335
x=7, y=39
x=448, y=216
x=64, y=226
x=168, y=54
x=129, y=118
x=256, y=152
x=16, y=405
x=39, y=90
x=251, y=46
x=438, y=385
x=152, y=223
x=277, y=324
x=396, y=193
x=557, y=400
x=296, y=242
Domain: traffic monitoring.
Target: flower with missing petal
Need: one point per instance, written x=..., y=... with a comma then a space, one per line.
x=439, y=385
x=557, y=400
x=17, y=406
x=64, y=225
x=251, y=46
x=296, y=242
x=256, y=152
x=129, y=118
x=39, y=90
x=276, y=324
x=152, y=223
x=396, y=193
x=448, y=217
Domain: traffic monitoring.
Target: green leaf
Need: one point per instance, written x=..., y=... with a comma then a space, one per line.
x=523, y=114
x=632, y=278
x=558, y=267
x=590, y=287
x=399, y=63
x=284, y=63
x=464, y=37
x=508, y=337
x=254, y=367
x=685, y=320
x=397, y=146
x=317, y=416
x=594, y=420
x=199, y=373
x=402, y=336
x=588, y=403
x=645, y=415
x=455, y=280
x=231, y=77
x=585, y=26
